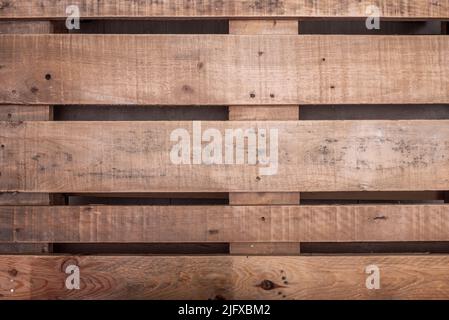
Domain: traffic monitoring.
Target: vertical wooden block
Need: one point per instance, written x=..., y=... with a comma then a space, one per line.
x=247, y=113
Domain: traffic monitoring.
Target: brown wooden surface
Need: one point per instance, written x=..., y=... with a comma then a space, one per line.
x=248, y=113
x=27, y=113
x=265, y=248
x=224, y=223
x=261, y=27
x=264, y=198
x=25, y=27
x=405, y=9
x=228, y=277
x=239, y=70
x=66, y=157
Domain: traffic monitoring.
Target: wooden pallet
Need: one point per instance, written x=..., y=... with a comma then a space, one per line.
x=362, y=120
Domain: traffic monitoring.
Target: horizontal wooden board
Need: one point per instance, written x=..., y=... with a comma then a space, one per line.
x=221, y=9
x=223, y=69
x=138, y=224
x=97, y=157
x=224, y=277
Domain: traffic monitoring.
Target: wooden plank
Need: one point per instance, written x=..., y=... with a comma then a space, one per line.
x=313, y=156
x=397, y=9
x=30, y=199
x=224, y=277
x=265, y=248
x=241, y=113
x=249, y=113
x=25, y=248
x=279, y=27
x=239, y=70
x=376, y=196
x=264, y=198
x=26, y=27
x=252, y=224
x=25, y=113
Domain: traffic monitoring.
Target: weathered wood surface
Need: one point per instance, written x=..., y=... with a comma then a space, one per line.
x=224, y=277
x=138, y=224
x=65, y=157
x=249, y=113
x=398, y=9
x=26, y=113
x=223, y=69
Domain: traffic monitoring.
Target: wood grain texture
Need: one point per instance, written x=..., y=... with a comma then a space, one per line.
x=279, y=27
x=224, y=277
x=398, y=9
x=167, y=224
x=30, y=199
x=25, y=113
x=248, y=113
x=25, y=248
x=264, y=198
x=223, y=69
x=314, y=156
x=26, y=27
x=265, y=248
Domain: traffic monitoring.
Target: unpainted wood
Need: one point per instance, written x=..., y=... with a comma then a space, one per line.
x=279, y=27
x=26, y=27
x=26, y=113
x=225, y=277
x=134, y=157
x=265, y=248
x=250, y=224
x=241, y=113
x=264, y=198
x=240, y=70
x=393, y=9
x=250, y=113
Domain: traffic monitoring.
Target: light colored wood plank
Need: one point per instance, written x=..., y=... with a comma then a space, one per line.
x=264, y=198
x=25, y=113
x=265, y=249
x=251, y=224
x=224, y=277
x=279, y=27
x=134, y=157
x=385, y=196
x=398, y=9
x=239, y=70
x=242, y=113
x=249, y=113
